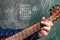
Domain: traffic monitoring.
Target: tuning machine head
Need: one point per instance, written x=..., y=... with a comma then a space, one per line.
x=57, y=7
x=55, y=12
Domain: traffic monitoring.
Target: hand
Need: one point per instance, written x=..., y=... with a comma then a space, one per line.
x=45, y=29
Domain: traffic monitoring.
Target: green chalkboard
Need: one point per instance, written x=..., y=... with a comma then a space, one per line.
x=54, y=33
x=20, y=14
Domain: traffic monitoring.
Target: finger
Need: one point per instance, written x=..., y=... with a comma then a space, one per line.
x=47, y=29
x=40, y=35
x=45, y=23
x=50, y=23
x=43, y=33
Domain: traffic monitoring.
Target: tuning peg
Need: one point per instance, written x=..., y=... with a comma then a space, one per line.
x=51, y=9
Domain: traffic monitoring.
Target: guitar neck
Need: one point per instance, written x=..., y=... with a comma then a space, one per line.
x=25, y=33
x=29, y=31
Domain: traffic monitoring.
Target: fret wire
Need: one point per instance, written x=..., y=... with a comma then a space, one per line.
x=20, y=35
x=26, y=34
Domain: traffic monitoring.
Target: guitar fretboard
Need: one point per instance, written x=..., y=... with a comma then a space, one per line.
x=25, y=33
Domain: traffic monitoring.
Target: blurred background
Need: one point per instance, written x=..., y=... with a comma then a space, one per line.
x=20, y=14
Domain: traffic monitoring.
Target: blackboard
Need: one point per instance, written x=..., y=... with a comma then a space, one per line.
x=17, y=13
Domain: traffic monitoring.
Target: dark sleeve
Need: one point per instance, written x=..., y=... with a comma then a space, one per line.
x=8, y=32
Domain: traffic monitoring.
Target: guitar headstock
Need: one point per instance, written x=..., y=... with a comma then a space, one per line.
x=55, y=13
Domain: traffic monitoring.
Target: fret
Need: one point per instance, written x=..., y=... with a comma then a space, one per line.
x=20, y=36
x=34, y=29
x=26, y=33
x=30, y=32
x=38, y=26
x=16, y=37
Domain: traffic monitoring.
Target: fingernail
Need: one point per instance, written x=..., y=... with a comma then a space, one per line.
x=43, y=17
x=41, y=21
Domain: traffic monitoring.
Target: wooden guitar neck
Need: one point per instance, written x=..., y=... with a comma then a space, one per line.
x=25, y=33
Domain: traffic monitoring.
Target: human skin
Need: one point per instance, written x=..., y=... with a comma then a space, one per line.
x=45, y=29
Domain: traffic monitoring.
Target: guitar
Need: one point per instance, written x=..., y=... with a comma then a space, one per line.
x=54, y=14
